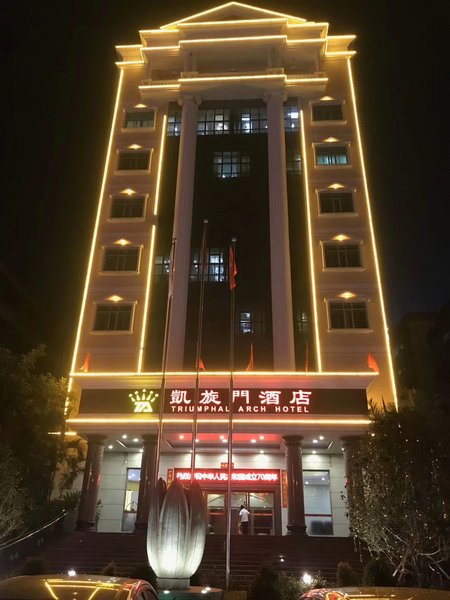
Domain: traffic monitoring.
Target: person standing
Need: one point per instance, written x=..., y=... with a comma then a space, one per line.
x=243, y=519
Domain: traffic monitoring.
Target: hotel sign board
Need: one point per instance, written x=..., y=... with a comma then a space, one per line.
x=215, y=401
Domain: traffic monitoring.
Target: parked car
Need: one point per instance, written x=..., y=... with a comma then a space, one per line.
x=80, y=587
x=375, y=593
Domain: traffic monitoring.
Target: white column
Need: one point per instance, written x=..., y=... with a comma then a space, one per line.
x=182, y=232
x=280, y=264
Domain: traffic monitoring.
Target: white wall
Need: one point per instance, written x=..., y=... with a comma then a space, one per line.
x=115, y=465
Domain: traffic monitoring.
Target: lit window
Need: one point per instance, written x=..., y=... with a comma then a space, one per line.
x=252, y=120
x=174, y=121
x=291, y=117
x=162, y=265
x=293, y=162
x=327, y=112
x=336, y=202
x=348, y=315
x=302, y=322
x=139, y=119
x=246, y=322
x=332, y=155
x=213, y=121
x=342, y=256
x=214, y=268
x=231, y=164
x=121, y=259
x=134, y=161
x=113, y=317
x=129, y=207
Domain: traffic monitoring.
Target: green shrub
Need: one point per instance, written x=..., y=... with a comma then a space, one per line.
x=145, y=572
x=110, y=569
x=378, y=572
x=35, y=565
x=266, y=585
x=69, y=500
x=346, y=575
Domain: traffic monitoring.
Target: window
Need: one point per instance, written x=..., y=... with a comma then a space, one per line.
x=134, y=161
x=231, y=164
x=291, y=117
x=162, y=265
x=113, y=317
x=342, y=256
x=139, y=119
x=174, y=121
x=213, y=121
x=246, y=322
x=252, y=120
x=127, y=207
x=348, y=315
x=302, y=322
x=327, y=112
x=332, y=155
x=215, y=266
x=336, y=202
x=293, y=162
x=121, y=259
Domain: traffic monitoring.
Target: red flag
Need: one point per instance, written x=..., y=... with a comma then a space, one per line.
x=307, y=358
x=201, y=365
x=86, y=366
x=232, y=269
x=372, y=363
x=251, y=363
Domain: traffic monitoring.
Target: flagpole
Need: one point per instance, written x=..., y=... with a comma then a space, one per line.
x=202, y=258
x=164, y=358
x=231, y=274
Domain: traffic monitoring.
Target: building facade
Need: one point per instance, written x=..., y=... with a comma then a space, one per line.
x=247, y=118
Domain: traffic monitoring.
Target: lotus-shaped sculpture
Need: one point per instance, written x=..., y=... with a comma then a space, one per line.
x=176, y=533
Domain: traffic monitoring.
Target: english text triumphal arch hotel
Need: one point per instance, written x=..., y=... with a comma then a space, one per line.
x=247, y=118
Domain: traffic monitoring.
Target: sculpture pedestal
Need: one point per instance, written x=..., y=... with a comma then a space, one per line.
x=192, y=593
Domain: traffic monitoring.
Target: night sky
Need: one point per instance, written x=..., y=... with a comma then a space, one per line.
x=59, y=80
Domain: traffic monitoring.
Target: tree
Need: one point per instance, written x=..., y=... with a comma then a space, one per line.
x=13, y=497
x=399, y=493
x=31, y=406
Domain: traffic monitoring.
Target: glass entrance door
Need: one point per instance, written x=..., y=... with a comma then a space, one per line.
x=260, y=504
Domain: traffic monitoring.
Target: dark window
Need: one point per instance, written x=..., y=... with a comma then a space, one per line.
x=113, y=317
x=252, y=120
x=121, y=259
x=327, y=112
x=246, y=322
x=214, y=268
x=336, y=202
x=231, y=164
x=134, y=161
x=293, y=162
x=139, y=119
x=130, y=207
x=162, y=265
x=213, y=121
x=174, y=122
x=342, y=255
x=302, y=322
x=348, y=315
x=291, y=117
x=332, y=155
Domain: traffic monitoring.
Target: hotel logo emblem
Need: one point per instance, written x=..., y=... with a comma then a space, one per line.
x=143, y=400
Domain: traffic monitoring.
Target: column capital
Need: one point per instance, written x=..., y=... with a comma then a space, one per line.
x=96, y=438
x=275, y=94
x=184, y=98
x=293, y=440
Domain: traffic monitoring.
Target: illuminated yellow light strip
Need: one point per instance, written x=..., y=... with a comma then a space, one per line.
x=227, y=373
x=342, y=53
x=310, y=240
x=308, y=24
x=216, y=8
x=234, y=22
x=350, y=36
x=129, y=46
x=280, y=420
x=280, y=76
x=66, y=433
x=124, y=63
x=52, y=593
x=159, y=85
x=247, y=38
x=152, y=246
x=153, y=48
x=372, y=233
x=308, y=41
x=97, y=222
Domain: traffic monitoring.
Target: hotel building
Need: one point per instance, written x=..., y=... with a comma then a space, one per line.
x=247, y=118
